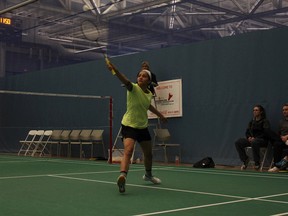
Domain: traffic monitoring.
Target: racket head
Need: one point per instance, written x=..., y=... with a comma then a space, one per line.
x=90, y=30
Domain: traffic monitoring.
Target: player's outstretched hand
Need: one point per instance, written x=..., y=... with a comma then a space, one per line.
x=110, y=66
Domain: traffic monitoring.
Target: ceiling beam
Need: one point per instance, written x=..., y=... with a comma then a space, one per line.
x=254, y=16
x=136, y=8
x=242, y=16
x=22, y=4
x=66, y=4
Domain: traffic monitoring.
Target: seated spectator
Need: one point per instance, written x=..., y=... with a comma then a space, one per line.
x=280, y=143
x=256, y=137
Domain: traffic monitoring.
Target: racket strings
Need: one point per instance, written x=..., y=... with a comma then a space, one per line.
x=91, y=32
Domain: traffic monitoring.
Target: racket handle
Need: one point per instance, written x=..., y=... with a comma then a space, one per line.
x=108, y=62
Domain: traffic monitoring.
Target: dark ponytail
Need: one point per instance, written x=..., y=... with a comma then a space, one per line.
x=153, y=83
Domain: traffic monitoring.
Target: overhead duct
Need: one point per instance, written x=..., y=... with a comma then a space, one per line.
x=17, y=6
x=59, y=48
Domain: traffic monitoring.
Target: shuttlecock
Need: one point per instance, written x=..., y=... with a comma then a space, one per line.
x=86, y=7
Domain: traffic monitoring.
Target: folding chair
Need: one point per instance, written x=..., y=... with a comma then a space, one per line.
x=85, y=140
x=40, y=146
x=161, y=139
x=118, y=153
x=264, y=151
x=55, y=140
x=34, y=145
x=97, y=138
x=26, y=143
x=74, y=139
x=64, y=141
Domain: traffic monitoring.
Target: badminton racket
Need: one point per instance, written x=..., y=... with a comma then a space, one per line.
x=91, y=32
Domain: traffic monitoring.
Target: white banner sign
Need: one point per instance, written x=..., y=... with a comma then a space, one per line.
x=168, y=99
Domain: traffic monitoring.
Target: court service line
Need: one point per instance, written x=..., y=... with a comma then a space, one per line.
x=151, y=187
x=80, y=163
x=81, y=179
x=240, y=174
x=21, y=161
x=60, y=174
x=65, y=174
x=181, y=190
x=134, y=166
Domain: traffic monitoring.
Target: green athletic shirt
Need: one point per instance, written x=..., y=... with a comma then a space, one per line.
x=138, y=103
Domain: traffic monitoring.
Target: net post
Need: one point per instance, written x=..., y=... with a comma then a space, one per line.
x=111, y=128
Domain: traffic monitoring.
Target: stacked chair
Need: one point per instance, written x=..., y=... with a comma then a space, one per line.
x=37, y=142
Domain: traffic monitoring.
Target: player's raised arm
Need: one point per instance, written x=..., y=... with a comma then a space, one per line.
x=156, y=112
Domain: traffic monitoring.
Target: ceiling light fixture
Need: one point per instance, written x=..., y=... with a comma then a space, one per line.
x=212, y=29
x=60, y=39
x=172, y=19
x=258, y=28
x=90, y=49
x=205, y=13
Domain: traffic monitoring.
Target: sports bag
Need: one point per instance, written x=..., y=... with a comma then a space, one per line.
x=206, y=162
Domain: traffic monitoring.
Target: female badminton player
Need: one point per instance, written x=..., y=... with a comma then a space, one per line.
x=135, y=123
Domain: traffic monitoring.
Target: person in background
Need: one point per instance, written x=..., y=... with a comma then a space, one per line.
x=145, y=66
x=280, y=144
x=134, y=123
x=257, y=136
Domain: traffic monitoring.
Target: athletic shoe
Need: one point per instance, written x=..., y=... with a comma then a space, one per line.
x=153, y=179
x=121, y=183
x=281, y=164
x=274, y=169
x=245, y=164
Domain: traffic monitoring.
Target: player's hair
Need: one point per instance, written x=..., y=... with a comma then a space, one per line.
x=262, y=110
x=153, y=83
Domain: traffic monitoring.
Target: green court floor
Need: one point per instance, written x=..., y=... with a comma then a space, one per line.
x=49, y=186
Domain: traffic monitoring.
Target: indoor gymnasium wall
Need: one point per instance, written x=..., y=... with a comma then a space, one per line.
x=222, y=81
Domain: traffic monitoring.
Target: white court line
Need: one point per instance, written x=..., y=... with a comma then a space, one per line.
x=217, y=204
x=192, y=170
x=192, y=207
x=80, y=162
x=20, y=177
x=64, y=175
x=264, y=198
x=151, y=187
x=232, y=173
x=175, y=169
x=169, y=168
x=179, y=190
x=61, y=174
x=21, y=161
x=281, y=214
x=242, y=199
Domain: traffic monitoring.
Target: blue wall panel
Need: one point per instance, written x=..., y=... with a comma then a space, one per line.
x=222, y=81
